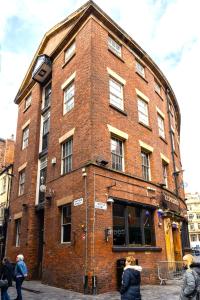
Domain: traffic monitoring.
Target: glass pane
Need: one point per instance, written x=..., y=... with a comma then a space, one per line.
x=118, y=224
x=134, y=226
x=66, y=233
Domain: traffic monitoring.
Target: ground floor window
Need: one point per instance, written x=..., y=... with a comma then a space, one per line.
x=66, y=224
x=17, y=232
x=133, y=225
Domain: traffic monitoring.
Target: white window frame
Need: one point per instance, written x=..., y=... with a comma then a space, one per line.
x=114, y=46
x=173, y=140
x=22, y=179
x=18, y=232
x=69, y=97
x=165, y=173
x=147, y=167
x=161, y=126
x=116, y=99
x=25, y=137
x=143, y=111
x=69, y=156
x=140, y=68
x=62, y=224
x=69, y=52
x=157, y=87
x=28, y=101
x=117, y=155
x=44, y=95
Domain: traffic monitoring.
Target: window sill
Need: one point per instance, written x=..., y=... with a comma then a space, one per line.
x=146, y=126
x=164, y=140
x=136, y=249
x=25, y=109
x=44, y=109
x=118, y=109
x=141, y=76
x=69, y=59
x=159, y=96
x=110, y=50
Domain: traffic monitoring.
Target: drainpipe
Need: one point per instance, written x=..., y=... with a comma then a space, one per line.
x=171, y=142
x=85, y=280
x=94, y=277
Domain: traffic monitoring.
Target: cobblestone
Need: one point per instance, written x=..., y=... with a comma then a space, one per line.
x=34, y=290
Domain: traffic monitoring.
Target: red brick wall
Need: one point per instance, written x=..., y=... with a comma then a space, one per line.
x=64, y=265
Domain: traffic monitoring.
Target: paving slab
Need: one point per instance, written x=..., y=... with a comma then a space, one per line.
x=34, y=290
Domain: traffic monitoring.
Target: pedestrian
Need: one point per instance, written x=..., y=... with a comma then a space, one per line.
x=20, y=274
x=130, y=289
x=6, y=274
x=191, y=279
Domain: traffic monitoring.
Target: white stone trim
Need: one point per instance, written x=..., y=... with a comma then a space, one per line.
x=65, y=200
x=22, y=167
x=145, y=146
x=160, y=112
x=118, y=132
x=26, y=124
x=66, y=135
x=116, y=76
x=71, y=78
x=141, y=95
x=17, y=216
x=163, y=157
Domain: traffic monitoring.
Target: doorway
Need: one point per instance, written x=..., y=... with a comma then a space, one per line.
x=177, y=244
x=40, y=217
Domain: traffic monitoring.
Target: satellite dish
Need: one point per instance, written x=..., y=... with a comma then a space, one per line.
x=43, y=188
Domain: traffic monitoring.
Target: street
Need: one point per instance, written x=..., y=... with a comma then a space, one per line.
x=34, y=290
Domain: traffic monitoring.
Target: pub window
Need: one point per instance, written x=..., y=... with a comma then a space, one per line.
x=45, y=130
x=66, y=223
x=70, y=51
x=114, y=46
x=28, y=102
x=17, y=232
x=133, y=225
x=67, y=152
x=145, y=165
x=165, y=171
x=69, y=92
x=117, y=154
x=25, y=137
x=47, y=95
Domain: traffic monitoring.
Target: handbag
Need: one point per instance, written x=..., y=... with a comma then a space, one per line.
x=3, y=283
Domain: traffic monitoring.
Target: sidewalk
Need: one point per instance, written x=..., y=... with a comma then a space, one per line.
x=34, y=290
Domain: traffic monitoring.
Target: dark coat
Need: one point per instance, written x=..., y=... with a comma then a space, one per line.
x=7, y=272
x=131, y=278
x=190, y=281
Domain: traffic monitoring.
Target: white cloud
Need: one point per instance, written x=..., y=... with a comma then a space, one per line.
x=168, y=30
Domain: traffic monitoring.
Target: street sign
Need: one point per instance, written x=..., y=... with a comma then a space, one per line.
x=78, y=201
x=100, y=205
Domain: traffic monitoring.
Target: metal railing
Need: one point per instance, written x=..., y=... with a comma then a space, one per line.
x=170, y=270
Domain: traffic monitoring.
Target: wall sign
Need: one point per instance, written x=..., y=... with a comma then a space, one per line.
x=100, y=205
x=78, y=202
x=169, y=202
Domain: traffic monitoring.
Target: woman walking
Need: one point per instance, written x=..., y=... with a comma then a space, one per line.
x=20, y=274
x=131, y=278
x=6, y=274
x=191, y=279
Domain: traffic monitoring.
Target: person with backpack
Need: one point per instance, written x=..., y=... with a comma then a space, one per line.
x=191, y=280
x=20, y=274
x=130, y=289
x=6, y=274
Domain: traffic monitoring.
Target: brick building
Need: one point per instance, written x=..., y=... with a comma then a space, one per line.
x=97, y=160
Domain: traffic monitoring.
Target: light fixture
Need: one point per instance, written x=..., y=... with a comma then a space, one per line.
x=110, y=200
x=101, y=161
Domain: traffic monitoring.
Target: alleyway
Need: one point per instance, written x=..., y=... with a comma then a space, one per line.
x=34, y=290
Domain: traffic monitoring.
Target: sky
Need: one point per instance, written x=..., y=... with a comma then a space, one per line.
x=168, y=30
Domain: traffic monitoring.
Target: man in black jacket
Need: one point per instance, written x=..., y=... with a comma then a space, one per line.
x=6, y=273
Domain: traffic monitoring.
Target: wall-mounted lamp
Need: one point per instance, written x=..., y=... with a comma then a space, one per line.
x=160, y=213
x=110, y=200
x=49, y=195
x=101, y=161
x=108, y=232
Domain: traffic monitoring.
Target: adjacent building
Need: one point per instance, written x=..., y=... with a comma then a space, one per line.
x=97, y=159
x=193, y=205
x=6, y=168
